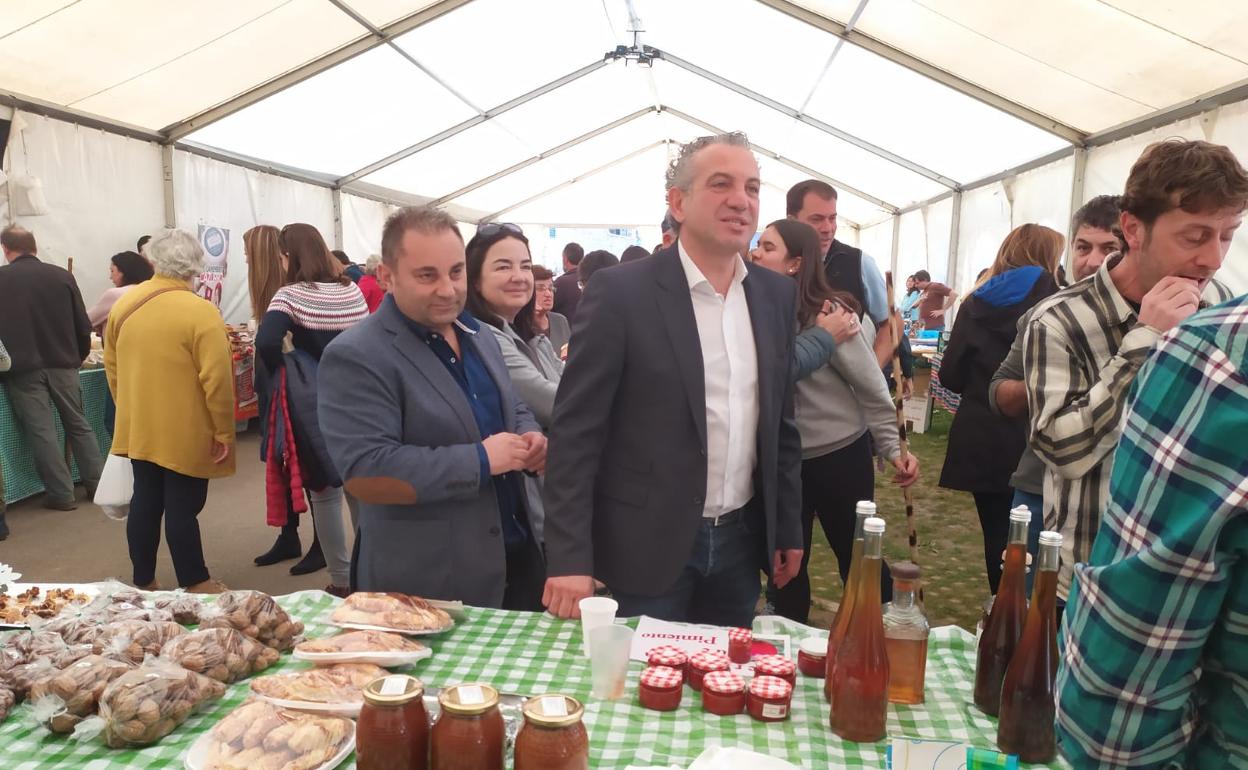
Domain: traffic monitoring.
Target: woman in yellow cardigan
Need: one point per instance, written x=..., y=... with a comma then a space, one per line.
x=167, y=357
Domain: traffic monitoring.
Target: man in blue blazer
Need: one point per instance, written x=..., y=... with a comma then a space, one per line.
x=675, y=463
x=422, y=423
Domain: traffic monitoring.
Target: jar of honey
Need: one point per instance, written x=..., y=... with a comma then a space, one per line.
x=553, y=736
x=469, y=732
x=740, y=640
x=777, y=666
x=723, y=693
x=703, y=663
x=812, y=657
x=670, y=656
x=769, y=699
x=393, y=728
x=661, y=688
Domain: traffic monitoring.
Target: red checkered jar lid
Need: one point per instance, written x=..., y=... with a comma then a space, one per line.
x=774, y=665
x=744, y=635
x=667, y=655
x=661, y=678
x=709, y=660
x=770, y=687
x=723, y=682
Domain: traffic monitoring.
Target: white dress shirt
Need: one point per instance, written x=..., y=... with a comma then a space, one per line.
x=730, y=375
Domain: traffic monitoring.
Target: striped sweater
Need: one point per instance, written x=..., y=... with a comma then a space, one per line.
x=314, y=314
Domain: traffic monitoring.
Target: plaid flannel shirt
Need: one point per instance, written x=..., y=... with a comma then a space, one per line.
x=1084, y=347
x=1155, y=646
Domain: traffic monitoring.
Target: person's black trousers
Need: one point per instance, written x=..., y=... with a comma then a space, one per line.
x=994, y=520
x=832, y=485
x=160, y=492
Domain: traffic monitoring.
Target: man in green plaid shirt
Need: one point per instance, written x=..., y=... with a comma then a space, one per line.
x=1155, y=649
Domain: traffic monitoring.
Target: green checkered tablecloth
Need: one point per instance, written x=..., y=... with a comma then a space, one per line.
x=18, y=479
x=530, y=653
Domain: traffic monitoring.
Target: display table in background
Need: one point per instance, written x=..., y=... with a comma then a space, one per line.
x=533, y=653
x=17, y=462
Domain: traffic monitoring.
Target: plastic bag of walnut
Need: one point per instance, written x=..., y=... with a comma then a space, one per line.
x=134, y=640
x=185, y=608
x=62, y=699
x=222, y=654
x=7, y=699
x=254, y=614
x=146, y=704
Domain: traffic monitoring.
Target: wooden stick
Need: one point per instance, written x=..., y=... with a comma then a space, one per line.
x=894, y=332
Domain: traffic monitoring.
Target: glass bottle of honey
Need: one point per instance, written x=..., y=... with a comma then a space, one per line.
x=1005, y=621
x=860, y=675
x=905, y=636
x=864, y=510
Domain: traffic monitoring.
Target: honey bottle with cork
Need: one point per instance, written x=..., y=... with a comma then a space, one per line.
x=860, y=674
x=905, y=636
x=1005, y=620
x=864, y=510
x=1028, y=709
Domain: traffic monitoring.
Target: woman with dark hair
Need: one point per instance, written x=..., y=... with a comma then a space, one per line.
x=836, y=407
x=125, y=269
x=593, y=262
x=317, y=303
x=545, y=320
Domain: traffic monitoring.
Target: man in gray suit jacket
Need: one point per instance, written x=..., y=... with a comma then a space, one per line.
x=675, y=462
x=420, y=418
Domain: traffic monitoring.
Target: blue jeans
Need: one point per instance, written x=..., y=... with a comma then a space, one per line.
x=1034, y=503
x=720, y=583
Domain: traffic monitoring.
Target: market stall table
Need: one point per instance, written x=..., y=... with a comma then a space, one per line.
x=531, y=653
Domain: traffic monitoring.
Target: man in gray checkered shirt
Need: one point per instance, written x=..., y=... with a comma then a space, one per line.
x=1085, y=344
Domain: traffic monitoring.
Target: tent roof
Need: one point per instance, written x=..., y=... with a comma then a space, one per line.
x=521, y=109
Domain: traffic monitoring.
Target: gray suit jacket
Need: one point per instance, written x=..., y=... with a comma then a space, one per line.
x=396, y=422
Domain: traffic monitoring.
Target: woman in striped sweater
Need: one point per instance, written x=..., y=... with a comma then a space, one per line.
x=317, y=303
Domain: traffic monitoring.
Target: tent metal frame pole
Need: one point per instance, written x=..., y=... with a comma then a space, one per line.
x=167, y=185
x=955, y=237
x=567, y=183
x=1236, y=92
x=1076, y=200
x=892, y=262
x=335, y=197
x=786, y=161
x=23, y=103
x=318, y=65
x=798, y=115
x=478, y=119
x=585, y=137
x=932, y=72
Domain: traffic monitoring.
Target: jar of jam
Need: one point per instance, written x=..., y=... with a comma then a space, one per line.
x=703, y=663
x=552, y=736
x=469, y=732
x=740, y=640
x=723, y=693
x=777, y=666
x=769, y=699
x=661, y=688
x=393, y=728
x=812, y=657
x=670, y=656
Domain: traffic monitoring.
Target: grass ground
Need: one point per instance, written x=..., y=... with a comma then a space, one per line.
x=950, y=542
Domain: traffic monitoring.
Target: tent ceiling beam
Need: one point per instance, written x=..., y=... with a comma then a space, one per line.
x=459, y=128
x=807, y=119
x=543, y=155
x=786, y=161
x=69, y=115
x=915, y=64
x=318, y=65
x=1236, y=92
x=581, y=177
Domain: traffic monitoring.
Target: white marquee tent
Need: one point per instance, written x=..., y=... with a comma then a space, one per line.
x=943, y=123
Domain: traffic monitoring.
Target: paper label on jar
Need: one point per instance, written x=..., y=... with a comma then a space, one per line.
x=555, y=706
x=775, y=710
x=471, y=695
x=394, y=685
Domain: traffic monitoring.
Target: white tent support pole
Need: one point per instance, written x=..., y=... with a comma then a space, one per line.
x=1076, y=200
x=335, y=197
x=543, y=155
x=892, y=261
x=315, y=67
x=796, y=114
x=493, y=112
x=167, y=182
x=598, y=170
x=915, y=64
x=955, y=234
x=781, y=159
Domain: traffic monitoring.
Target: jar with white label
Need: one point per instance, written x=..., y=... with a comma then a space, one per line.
x=553, y=736
x=769, y=699
x=469, y=732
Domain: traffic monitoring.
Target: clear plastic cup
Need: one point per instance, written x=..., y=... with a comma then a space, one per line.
x=609, y=661
x=596, y=611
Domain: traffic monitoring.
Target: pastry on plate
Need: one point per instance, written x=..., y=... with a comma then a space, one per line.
x=390, y=610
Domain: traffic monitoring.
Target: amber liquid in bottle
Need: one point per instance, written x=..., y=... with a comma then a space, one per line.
x=840, y=621
x=1027, y=706
x=905, y=636
x=860, y=676
x=1005, y=621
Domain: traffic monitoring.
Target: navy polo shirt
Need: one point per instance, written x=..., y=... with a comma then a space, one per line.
x=468, y=369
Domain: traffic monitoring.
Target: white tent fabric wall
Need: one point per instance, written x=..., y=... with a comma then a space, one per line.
x=876, y=242
x=103, y=192
x=362, y=220
x=210, y=192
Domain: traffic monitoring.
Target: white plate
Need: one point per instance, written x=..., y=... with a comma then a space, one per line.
x=349, y=710
x=383, y=658
x=197, y=754
x=405, y=632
